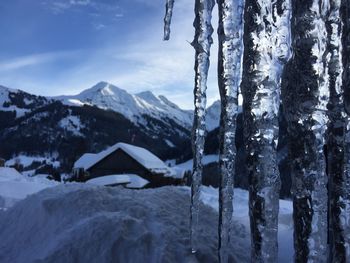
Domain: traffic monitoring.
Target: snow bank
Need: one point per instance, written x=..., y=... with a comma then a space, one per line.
x=130, y=180
x=82, y=223
x=209, y=196
x=15, y=186
x=188, y=165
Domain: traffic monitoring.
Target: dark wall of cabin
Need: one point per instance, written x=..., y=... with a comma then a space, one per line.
x=121, y=163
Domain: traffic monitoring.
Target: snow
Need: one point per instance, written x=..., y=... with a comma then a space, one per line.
x=86, y=161
x=82, y=223
x=212, y=117
x=130, y=180
x=209, y=196
x=207, y=159
x=72, y=124
x=169, y=143
x=15, y=186
x=4, y=98
x=19, y=112
x=75, y=102
x=107, y=96
x=27, y=161
x=141, y=155
x=67, y=222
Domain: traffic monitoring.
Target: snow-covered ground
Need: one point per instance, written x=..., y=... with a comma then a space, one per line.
x=207, y=159
x=130, y=180
x=82, y=223
x=77, y=222
x=27, y=161
x=15, y=186
x=209, y=196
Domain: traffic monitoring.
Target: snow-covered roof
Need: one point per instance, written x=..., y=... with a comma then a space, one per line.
x=6, y=173
x=131, y=180
x=86, y=161
x=141, y=155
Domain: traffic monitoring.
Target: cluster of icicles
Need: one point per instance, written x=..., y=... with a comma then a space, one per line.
x=294, y=53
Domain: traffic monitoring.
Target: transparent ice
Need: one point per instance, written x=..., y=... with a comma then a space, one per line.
x=230, y=34
x=266, y=50
x=305, y=100
x=201, y=43
x=167, y=19
x=339, y=133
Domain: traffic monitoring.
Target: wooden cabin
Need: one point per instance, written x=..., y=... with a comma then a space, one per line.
x=121, y=159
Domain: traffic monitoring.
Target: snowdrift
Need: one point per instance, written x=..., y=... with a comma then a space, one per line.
x=82, y=223
x=15, y=186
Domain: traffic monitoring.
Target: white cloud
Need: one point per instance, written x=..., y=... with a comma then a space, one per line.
x=61, y=6
x=148, y=63
x=34, y=59
x=167, y=67
x=142, y=62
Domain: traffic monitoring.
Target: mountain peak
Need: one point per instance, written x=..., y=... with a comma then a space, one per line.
x=134, y=107
x=147, y=95
x=102, y=84
x=103, y=88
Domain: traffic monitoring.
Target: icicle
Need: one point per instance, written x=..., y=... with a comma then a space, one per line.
x=202, y=43
x=342, y=212
x=229, y=77
x=337, y=117
x=266, y=50
x=167, y=19
x=344, y=218
x=305, y=98
x=339, y=131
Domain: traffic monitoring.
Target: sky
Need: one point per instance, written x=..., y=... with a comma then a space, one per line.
x=62, y=47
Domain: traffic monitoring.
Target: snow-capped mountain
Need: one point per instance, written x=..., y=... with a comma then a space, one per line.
x=19, y=102
x=132, y=106
x=68, y=126
x=213, y=116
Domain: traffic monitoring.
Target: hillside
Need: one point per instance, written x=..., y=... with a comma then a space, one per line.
x=49, y=129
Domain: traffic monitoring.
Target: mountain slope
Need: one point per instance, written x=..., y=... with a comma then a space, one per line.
x=19, y=102
x=60, y=129
x=37, y=126
x=133, y=107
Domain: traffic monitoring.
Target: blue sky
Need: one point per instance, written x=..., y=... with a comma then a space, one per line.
x=55, y=47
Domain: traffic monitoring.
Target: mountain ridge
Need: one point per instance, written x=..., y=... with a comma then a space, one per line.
x=69, y=126
x=108, y=96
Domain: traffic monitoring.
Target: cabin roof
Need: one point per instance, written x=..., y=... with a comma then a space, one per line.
x=141, y=155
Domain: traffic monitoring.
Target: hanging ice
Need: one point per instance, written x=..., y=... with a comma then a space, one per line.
x=266, y=50
x=201, y=43
x=305, y=97
x=344, y=199
x=339, y=131
x=167, y=19
x=230, y=34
